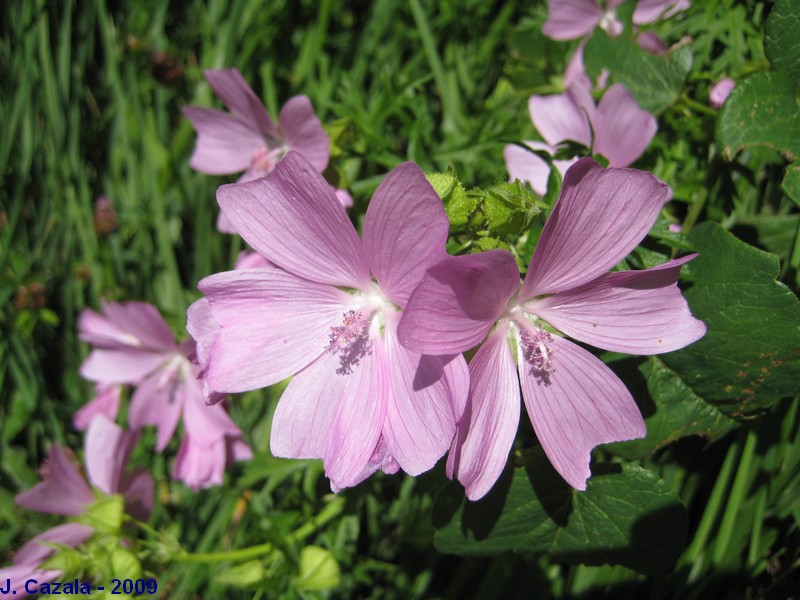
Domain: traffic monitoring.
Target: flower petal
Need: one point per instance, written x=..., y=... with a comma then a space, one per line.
x=490, y=421
x=576, y=407
x=624, y=130
x=126, y=325
x=600, y=216
x=271, y=325
x=158, y=401
x=37, y=549
x=106, y=402
x=239, y=97
x=559, y=118
x=458, y=301
x=528, y=167
x=405, y=230
x=648, y=11
x=303, y=132
x=639, y=312
x=293, y=219
x=120, y=366
x=426, y=398
x=571, y=19
x=63, y=491
x=108, y=449
x=200, y=465
x=138, y=489
x=224, y=144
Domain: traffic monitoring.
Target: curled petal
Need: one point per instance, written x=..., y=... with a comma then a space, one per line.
x=458, y=301
x=108, y=449
x=303, y=132
x=600, y=216
x=577, y=406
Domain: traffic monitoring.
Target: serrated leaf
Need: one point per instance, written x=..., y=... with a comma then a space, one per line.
x=781, y=41
x=761, y=111
x=458, y=205
x=627, y=516
x=750, y=355
x=655, y=81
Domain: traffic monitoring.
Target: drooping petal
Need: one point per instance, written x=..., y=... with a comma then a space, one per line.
x=120, y=366
x=199, y=464
x=624, y=130
x=293, y=219
x=600, y=216
x=239, y=97
x=138, y=489
x=158, y=401
x=571, y=19
x=491, y=418
x=526, y=166
x=639, y=312
x=108, y=449
x=405, y=230
x=37, y=549
x=272, y=324
x=577, y=406
x=63, y=491
x=106, y=402
x=303, y=131
x=224, y=144
x=426, y=398
x=203, y=422
x=457, y=302
x=559, y=118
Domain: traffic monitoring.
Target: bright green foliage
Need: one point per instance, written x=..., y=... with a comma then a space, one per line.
x=318, y=570
x=781, y=42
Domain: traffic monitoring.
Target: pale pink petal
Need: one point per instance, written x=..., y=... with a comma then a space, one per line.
x=458, y=302
x=426, y=398
x=272, y=324
x=490, y=421
x=238, y=450
x=224, y=144
x=106, y=402
x=204, y=329
x=575, y=73
x=37, y=549
x=577, y=406
x=559, y=118
x=648, y=11
x=719, y=93
x=571, y=19
x=345, y=199
x=650, y=42
x=158, y=401
x=600, y=216
x=63, y=491
x=638, y=312
x=405, y=230
x=526, y=166
x=239, y=97
x=120, y=366
x=293, y=219
x=381, y=460
x=138, y=489
x=200, y=465
x=142, y=325
x=303, y=132
x=250, y=260
x=108, y=449
x=204, y=422
x=624, y=130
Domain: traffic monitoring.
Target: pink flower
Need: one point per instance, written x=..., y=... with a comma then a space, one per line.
x=574, y=401
x=133, y=345
x=106, y=402
x=326, y=311
x=246, y=139
x=719, y=93
x=622, y=131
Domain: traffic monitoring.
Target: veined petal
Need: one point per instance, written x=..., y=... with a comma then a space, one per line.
x=271, y=325
x=405, y=230
x=158, y=401
x=577, y=406
x=239, y=97
x=63, y=491
x=293, y=219
x=426, y=398
x=37, y=549
x=490, y=421
x=303, y=131
x=108, y=449
x=600, y=216
x=624, y=130
x=559, y=118
x=639, y=312
x=571, y=19
x=526, y=166
x=458, y=301
x=224, y=144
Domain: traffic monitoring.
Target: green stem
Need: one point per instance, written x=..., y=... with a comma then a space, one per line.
x=697, y=107
x=330, y=512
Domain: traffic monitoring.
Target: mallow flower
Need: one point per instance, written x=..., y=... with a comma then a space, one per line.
x=574, y=401
x=247, y=139
x=134, y=346
x=720, y=92
x=326, y=310
x=617, y=128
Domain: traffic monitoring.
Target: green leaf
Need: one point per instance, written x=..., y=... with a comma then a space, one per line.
x=125, y=565
x=781, y=41
x=655, y=81
x=318, y=570
x=791, y=183
x=242, y=575
x=458, y=205
x=761, y=111
x=750, y=355
x=627, y=516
